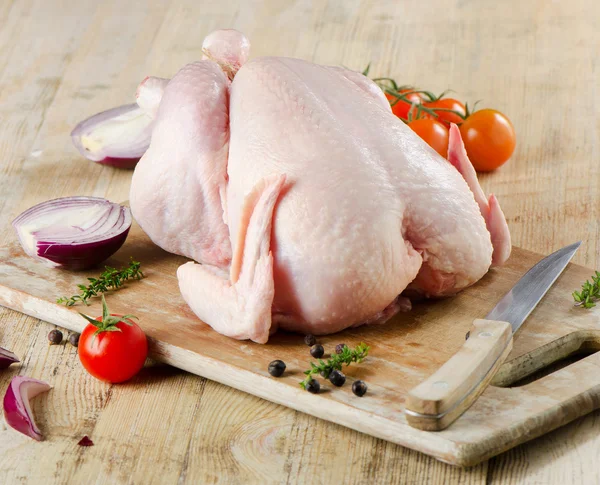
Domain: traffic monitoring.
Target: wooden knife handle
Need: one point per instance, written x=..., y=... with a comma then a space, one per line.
x=436, y=403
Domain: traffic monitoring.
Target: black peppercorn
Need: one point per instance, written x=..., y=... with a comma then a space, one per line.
x=277, y=368
x=313, y=386
x=310, y=340
x=74, y=339
x=337, y=378
x=55, y=337
x=359, y=388
x=317, y=351
x=339, y=348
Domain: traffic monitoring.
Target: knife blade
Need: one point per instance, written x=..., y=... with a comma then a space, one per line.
x=519, y=302
x=438, y=401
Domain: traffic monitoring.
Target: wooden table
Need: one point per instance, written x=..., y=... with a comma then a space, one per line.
x=62, y=61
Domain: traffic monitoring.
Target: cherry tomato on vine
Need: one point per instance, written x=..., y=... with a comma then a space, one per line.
x=402, y=108
x=441, y=105
x=112, y=348
x=489, y=139
x=433, y=132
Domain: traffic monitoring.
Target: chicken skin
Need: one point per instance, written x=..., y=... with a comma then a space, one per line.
x=308, y=205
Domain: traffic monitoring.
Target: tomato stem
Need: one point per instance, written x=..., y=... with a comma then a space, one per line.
x=388, y=79
x=468, y=112
x=457, y=113
x=108, y=322
x=402, y=93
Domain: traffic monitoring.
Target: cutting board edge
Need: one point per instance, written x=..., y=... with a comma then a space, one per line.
x=434, y=444
x=338, y=412
x=443, y=448
x=472, y=454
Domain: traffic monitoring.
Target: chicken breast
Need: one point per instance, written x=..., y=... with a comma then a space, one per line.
x=309, y=205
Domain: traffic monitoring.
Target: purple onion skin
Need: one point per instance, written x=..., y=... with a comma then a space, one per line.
x=81, y=250
x=124, y=163
x=7, y=358
x=15, y=413
x=82, y=256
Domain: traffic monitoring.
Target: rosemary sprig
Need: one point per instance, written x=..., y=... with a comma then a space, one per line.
x=590, y=293
x=335, y=362
x=110, y=279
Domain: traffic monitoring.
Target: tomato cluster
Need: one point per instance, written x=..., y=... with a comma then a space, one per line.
x=488, y=135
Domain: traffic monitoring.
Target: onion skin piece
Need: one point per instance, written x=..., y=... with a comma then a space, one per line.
x=117, y=137
x=124, y=163
x=7, y=358
x=17, y=411
x=78, y=258
x=74, y=245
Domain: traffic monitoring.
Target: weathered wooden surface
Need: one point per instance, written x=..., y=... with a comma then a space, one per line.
x=404, y=352
x=61, y=61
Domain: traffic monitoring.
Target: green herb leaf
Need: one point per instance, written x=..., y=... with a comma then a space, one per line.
x=110, y=279
x=589, y=294
x=336, y=361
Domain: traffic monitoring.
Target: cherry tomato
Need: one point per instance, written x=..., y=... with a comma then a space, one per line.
x=489, y=139
x=447, y=117
x=112, y=355
x=433, y=132
x=402, y=108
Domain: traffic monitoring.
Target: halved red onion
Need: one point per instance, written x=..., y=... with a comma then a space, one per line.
x=73, y=232
x=17, y=410
x=7, y=358
x=117, y=137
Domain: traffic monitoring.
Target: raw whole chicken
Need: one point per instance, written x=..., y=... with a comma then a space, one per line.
x=308, y=204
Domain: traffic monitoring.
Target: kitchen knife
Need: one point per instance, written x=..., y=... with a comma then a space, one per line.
x=437, y=402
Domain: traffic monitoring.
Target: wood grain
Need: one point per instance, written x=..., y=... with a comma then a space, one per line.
x=403, y=355
x=535, y=61
x=445, y=395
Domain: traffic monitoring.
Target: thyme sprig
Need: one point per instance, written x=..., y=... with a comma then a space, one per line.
x=336, y=361
x=110, y=279
x=589, y=294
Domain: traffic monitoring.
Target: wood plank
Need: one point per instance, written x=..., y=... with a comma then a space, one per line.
x=404, y=352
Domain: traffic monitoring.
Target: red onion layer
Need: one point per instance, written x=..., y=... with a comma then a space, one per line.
x=7, y=358
x=85, y=441
x=73, y=232
x=17, y=410
x=116, y=137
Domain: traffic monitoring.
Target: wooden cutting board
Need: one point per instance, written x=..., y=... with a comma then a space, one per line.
x=404, y=351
